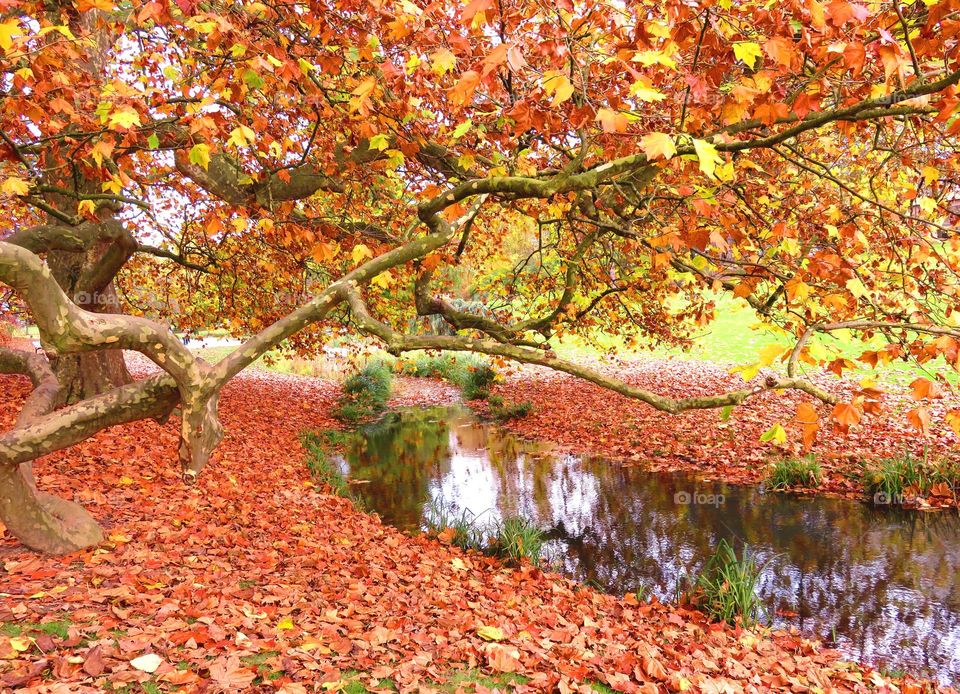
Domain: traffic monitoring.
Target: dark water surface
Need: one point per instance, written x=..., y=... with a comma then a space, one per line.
x=882, y=585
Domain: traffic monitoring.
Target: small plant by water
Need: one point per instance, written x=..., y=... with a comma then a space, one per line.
x=365, y=393
x=726, y=589
x=794, y=472
x=503, y=411
x=902, y=478
x=513, y=539
x=517, y=539
x=323, y=469
x=466, y=533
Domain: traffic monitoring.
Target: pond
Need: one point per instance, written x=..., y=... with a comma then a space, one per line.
x=879, y=584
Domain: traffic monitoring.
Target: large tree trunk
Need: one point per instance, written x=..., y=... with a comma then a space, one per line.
x=43, y=522
x=88, y=278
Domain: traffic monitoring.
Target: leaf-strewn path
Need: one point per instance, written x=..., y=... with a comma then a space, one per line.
x=253, y=569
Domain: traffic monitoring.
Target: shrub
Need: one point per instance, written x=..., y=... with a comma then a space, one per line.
x=365, y=393
x=794, y=472
x=476, y=382
x=517, y=539
x=726, y=588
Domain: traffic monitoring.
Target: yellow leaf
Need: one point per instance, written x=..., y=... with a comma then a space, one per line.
x=125, y=481
x=242, y=136
x=930, y=174
x=559, y=85
x=442, y=61
x=658, y=146
x=383, y=280
x=490, y=633
x=8, y=30
x=285, y=623
x=856, y=287
x=359, y=252
x=87, y=207
x=775, y=434
x=458, y=564
x=125, y=117
x=643, y=91
x=15, y=186
x=748, y=52
x=769, y=353
x=119, y=538
x=708, y=156
x=20, y=643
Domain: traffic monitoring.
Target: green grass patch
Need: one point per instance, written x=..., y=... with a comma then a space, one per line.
x=365, y=393
x=472, y=374
x=502, y=411
x=512, y=539
x=902, y=478
x=794, y=472
x=517, y=539
x=325, y=470
x=58, y=628
x=726, y=589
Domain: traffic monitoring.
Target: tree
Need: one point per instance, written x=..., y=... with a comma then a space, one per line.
x=360, y=159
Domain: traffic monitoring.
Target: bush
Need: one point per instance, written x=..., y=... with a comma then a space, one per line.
x=365, y=393
x=476, y=382
x=794, y=472
x=726, y=588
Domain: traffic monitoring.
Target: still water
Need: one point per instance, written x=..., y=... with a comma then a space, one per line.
x=881, y=585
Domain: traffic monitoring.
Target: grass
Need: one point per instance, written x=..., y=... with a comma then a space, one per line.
x=517, y=539
x=58, y=628
x=324, y=471
x=502, y=411
x=898, y=479
x=513, y=539
x=794, y=472
x=726, y=589
x=472, y=374
x=365, y=393
x=467, y=534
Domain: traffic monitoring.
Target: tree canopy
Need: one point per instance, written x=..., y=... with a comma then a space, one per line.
x=580, y=166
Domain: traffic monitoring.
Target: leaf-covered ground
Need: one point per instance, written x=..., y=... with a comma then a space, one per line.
x=585, y=418
x=254, y=580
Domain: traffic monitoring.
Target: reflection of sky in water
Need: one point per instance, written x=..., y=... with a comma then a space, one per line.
x=884, y=582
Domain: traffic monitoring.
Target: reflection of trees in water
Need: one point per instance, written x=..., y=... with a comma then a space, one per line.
x=885, y=581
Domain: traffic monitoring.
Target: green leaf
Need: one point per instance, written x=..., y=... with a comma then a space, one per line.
x=775, y=434
x=379, y=142
x=462, y=129
x=725, y=413
x=200, y=155
x=153, y=141
x=253, y=80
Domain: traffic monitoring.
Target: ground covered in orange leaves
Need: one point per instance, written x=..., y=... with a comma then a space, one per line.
x=585, y=418
x=255, y=580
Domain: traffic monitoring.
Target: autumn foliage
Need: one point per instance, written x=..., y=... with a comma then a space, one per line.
x=516, y=171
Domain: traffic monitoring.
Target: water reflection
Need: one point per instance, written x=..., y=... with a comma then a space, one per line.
x=882, y=583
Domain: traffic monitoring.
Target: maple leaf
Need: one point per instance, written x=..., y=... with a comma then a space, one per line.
x=924, y=388
x=200, y=155
x=490, y=633
x=919, y=418
x=15, y=186
x=502, y=658
x=845, y=415
x=463, y=90
x=952, y=418
x=9, y=30
x=658, y=146
x=125, y=117
x=442, y=61
x=708, y=156
x=229, y=673
x=748, y=52
x=612, y=121
x=103, y=5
